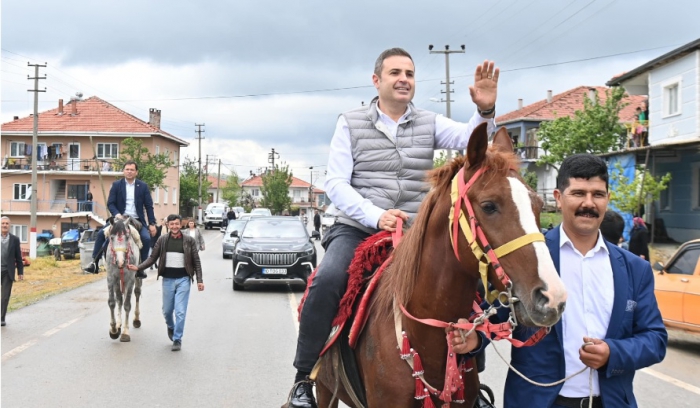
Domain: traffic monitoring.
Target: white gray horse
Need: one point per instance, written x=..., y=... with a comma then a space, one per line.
x=123, y=249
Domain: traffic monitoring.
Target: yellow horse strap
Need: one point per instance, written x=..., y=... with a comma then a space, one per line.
x=517, y=243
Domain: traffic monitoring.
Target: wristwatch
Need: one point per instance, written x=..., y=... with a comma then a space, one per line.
x=486, y=112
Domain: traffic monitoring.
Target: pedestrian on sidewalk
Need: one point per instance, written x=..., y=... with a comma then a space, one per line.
x=178, y=264
x=11, y=259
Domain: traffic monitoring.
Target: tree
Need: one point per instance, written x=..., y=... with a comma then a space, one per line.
x=152, y=167
x=530, y=178
x=275, y=189
x=629, y=195
x=440, y=160
x=231, y=192
x=596, y=129
x=189, y=183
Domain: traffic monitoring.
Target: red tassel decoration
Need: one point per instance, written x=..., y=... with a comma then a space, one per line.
x=428, y=403
x=405, y=347
x=459, y=395
x=417, y=365
x=421, y=391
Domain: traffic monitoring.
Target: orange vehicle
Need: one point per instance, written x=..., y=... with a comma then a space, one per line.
x=677, y=288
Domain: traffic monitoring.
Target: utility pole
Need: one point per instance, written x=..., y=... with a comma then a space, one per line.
x=218, y=183
x=271, y=158
x=311, y=187
x=35, y=137
x=447, y=83
x=199, y=138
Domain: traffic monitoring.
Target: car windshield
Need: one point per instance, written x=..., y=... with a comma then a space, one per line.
x=274, y=228
x=236, y=225
x=263, y=211
x=216, y=210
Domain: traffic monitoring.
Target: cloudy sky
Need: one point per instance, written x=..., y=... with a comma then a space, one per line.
x=269, y=74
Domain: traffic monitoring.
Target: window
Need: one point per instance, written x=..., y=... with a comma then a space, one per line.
x=665, y=200
x=157, y=149
x=42, y=151
x=174, y=195
x=165, y=195
x=17, y=149
x=77, y=192
x=20, y=231
x=175, y=159
x=685, y=263
x=22, y=191
x=256, y=192
x=297, y=195
x=156, y=193
x=672, y=97
x=107, y=150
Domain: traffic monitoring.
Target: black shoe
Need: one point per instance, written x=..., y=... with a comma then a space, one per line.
x=170, y=334
x=177, y=345
x=92, y=268
x=141, y=274
x=3, y=323
x=302, y=395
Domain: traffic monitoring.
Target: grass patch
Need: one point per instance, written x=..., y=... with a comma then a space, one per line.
x=547, y=218
x=47, y=277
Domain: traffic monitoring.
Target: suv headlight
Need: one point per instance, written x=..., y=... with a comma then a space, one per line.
x=242, y=252
x=307, y=252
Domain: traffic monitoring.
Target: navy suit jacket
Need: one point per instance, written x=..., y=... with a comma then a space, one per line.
x=142, y=198
x=636, y=337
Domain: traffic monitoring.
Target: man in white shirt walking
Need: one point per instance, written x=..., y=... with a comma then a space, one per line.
x=376, y=174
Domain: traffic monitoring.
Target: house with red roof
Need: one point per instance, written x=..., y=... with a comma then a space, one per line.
x=77, y=145
x=671, y=84
x=522, y=125
x=300, y=192
x=214, y=192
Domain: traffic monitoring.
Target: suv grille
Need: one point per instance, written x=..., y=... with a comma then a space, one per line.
x=262, y=258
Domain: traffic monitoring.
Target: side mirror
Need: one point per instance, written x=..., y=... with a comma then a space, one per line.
x=658, y=267
x=234, y=234
x=315, y=234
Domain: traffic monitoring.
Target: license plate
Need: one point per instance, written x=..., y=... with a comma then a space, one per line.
x=274, y=271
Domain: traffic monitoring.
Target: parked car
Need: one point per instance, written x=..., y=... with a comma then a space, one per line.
x=214, y=216
x=273, y=250
x=260, y=211
x=677, y=288
x=229, y=242
x=239, y=211
x=327, y=220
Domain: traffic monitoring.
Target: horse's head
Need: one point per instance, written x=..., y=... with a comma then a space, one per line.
x=118, y=234
x=504, y=219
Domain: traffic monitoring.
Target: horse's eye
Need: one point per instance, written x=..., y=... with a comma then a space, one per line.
x=488, y=207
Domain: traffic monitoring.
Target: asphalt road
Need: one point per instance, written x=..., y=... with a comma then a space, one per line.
x=237, y=351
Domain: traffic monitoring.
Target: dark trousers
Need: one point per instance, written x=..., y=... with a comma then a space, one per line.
x=6, y=291
x=100, y=242
x=325, y=292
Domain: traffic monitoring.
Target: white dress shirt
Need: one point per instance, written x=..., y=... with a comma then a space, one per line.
x=449, y=134
x=590, y=287
x=130, y=208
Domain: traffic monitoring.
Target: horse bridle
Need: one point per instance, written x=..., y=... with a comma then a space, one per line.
x=126, y=251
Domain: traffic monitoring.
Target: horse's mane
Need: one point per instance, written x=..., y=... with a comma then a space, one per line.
x=400, y=277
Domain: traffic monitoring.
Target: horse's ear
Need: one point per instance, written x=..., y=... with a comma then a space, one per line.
x=478, y=143
x=502, y=141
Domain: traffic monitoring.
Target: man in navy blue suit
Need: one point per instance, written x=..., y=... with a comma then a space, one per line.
x=611, y=324
x=129, y=196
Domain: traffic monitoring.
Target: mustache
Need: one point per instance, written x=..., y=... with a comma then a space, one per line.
x=587, y=211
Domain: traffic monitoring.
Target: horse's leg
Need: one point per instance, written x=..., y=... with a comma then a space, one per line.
x=120, y=301
x=127, y=308
x=137, y=293
x=113, y=333
x=324, y=396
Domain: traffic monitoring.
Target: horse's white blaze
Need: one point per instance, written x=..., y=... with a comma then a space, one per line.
x=554, y=290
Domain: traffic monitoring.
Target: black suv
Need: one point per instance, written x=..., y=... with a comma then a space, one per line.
x=273, y=250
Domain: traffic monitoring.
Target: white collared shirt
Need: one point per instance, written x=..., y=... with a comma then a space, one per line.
x=449, y=134
x=591, y=293
x=130, y=208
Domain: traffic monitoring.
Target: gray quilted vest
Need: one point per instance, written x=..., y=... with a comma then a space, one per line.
x=391, y=174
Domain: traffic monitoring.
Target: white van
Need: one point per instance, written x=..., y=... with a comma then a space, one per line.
x=214, y=215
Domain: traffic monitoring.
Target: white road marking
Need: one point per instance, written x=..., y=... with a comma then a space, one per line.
x=294, y=306
x=32, y=342
x=18, y=349
x=671, y=380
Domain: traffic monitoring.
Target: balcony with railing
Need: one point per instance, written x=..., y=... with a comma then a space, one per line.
x=527, y=152
x=637, y=134
x=87, y=165
x=54, y=207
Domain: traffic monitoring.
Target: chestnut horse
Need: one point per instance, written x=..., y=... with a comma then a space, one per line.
x=433, y=279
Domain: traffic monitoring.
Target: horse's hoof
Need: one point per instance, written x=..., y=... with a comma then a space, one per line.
x=125, y=338
x=137, y=323
x=115, y=335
